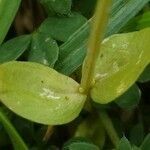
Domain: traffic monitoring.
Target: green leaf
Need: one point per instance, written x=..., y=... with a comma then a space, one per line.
x=60, y=28
x=39, y=93
x=44, y=49
x=144, y=21
x=17, y=141
x=80, y=146
x=73, y=51
x=14, y=48
x=145, y=76
x=8, y=11
x=124, y=144
x=146, y=143
x=138, y=23
x=137, y=134
x=62, y=7
x=135, y=148
x=86, y=7
x=122, y=59
x=130, y=99
x=96, y=134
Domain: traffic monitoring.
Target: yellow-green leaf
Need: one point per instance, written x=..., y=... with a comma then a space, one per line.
x=122, y=59
x=39, y=93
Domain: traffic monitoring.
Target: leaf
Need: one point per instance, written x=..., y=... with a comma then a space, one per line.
x=123, y=58
x=39, y=93
x=145, y=76
x=44, y=49
x=14, y=48
x=146, y=143
x=73, y=51
x=83, y=146
x=80, y=145
x=8, y=11
x=137, y=134
x=86, y=7
x=124, y=144
x=130, y=99
x=138, y=23
x=17, y=141
x=135, y=148
x=60, y=28
x=62, y=7
x=96, y=134
x=144, y=21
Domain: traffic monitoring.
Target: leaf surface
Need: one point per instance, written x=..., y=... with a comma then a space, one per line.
x=122, y=59
x=60, y=28
x=39, y=93
x=73, y=51
x=124, y=144
x=44, y=49
x=146, y=143
x=130, y=99
x=8, y=10
x=14, y=48
x=62, y=7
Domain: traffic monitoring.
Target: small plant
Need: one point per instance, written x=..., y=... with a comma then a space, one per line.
x=40, y=89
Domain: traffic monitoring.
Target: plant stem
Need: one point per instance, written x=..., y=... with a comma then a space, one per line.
x=100, y=20
x=48, y=133
x=108, y=125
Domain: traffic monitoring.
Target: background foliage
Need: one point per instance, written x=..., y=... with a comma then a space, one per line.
x=65, y=24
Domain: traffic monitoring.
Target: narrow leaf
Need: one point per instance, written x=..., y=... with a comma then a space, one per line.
x=8, y=11
x=17, y=141
x=14, y=48
x=146, y=143
x=73, y=51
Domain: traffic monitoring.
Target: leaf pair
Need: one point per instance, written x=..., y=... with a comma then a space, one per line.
x=42, y=49
x=41, y=45
x=43, y=95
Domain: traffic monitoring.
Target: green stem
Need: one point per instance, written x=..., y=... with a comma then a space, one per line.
x=100, y=20
x=108, y=125
x=48, y=133
x=17, y=141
